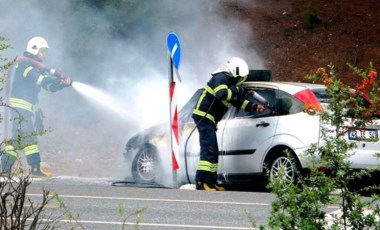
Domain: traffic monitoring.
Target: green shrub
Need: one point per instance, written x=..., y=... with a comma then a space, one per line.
x=304, y=205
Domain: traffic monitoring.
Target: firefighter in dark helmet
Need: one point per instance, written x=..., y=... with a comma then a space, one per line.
x=222, y=90
x=30, y=76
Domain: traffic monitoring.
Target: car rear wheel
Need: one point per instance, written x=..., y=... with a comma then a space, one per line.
x=285, y=164
x=145, y=166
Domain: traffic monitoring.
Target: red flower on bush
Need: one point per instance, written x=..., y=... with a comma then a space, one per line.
x=372, y=74
x=320, y=70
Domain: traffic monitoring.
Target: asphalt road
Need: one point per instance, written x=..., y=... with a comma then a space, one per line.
x=95, y=204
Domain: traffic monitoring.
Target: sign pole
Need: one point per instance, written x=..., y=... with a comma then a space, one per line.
x=173, y=59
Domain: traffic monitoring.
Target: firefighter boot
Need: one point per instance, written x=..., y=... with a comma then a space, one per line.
x=38, y=172
x=34, y=161
x=204, y=186
x=219, y=188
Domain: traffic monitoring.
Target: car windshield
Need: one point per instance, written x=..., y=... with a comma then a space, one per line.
x=187, y=109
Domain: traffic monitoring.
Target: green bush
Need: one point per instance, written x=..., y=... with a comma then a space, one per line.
x=303, y=205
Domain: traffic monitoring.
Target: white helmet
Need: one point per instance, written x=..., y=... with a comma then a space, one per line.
x=237, y=67
x=35, y=44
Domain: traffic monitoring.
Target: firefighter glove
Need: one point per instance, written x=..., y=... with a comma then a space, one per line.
x=257, y=108
x=66, y=81
x=55, y=72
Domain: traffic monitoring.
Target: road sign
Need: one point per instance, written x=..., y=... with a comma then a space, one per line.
x=174, y=48
x=174, y=54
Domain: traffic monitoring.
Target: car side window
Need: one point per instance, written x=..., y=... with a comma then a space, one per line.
x=287, y=104
x=281, y=103
x=270, y=97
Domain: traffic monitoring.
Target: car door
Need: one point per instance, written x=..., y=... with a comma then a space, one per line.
x=244, y=137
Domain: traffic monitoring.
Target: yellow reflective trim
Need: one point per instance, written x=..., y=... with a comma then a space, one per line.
x=204, y=166
x=214, y=167
x=10, y=150
x=205, y=163
x=244, y=105
x=200, y=99
x=31, y=149
x=204, y=114
x=226, y=103
x=40, y=79
x=209, y=90
x=220, y=87
x=20, y=103
x=229, y=94
x=26, y=71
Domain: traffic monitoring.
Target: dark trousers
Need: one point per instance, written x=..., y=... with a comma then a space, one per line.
x=209, y=152
x=23, y=138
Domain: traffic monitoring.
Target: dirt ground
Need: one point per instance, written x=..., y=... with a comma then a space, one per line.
x=295, y=37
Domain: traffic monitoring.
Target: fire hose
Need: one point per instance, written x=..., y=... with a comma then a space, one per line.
x=43, y=67
x=9, y=79
x=254, y=94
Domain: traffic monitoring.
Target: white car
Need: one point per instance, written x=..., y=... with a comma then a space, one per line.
x=249, y=143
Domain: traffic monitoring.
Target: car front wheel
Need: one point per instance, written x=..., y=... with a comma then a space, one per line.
x=145, y=165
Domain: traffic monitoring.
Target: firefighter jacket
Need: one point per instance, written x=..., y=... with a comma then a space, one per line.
x=27, y=82
x=219, y=94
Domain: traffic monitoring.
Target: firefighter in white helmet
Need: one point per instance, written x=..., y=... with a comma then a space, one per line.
x=30, y=76
x=222, y=90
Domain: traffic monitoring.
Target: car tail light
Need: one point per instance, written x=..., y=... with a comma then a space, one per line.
x=310, y=100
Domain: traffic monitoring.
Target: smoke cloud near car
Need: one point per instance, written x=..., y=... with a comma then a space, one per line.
x=88, y=139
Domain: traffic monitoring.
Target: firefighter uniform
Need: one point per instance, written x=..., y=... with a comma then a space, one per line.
x=27, y=82
x=220, y=93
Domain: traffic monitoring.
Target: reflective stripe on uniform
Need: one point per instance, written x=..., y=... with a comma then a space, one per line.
x=229, y=92
x=244, y=105
x=204, y=114
x=10, y=150
x=20, y=103
x=31, y=149
x=199, y=112
x=213, y=93
x=40, y=79
x=26, y=71
x=214, y=167
x=200, y=100
x=220, y=87
x=209, y=90
x=204, y=166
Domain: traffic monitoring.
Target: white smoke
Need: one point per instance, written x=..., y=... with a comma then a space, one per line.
x=88, y=139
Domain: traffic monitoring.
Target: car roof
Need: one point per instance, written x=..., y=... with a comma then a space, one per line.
x=290, y=87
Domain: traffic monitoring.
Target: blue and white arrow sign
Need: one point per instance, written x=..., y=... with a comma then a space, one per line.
x=174, y=48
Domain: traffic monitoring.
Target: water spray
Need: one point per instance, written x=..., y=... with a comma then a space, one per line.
x=101, y=98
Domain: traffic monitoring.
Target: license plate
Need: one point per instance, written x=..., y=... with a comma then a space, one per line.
x=365, y=134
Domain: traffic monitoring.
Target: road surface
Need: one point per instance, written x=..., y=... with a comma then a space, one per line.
x=95, y=203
